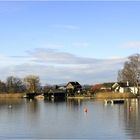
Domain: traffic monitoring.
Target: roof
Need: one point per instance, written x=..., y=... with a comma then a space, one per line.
x=108, y=85
x=74, y=83
x=125, y=84
x=56, y=91
x=121, y=84
x=102, y=85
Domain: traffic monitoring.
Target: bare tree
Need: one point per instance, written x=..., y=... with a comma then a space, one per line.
x=15, y=85
x=32, y=83
x=131, y=70
x=2, y=87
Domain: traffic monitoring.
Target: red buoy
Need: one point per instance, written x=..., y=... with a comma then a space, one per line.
x=85, y=110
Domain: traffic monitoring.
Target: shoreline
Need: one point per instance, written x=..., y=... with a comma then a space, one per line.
x=79, y=97
x=12, y=95
x=105, y=95
x=115, y=95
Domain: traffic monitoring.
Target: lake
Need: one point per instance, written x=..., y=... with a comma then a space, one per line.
x=43, y=119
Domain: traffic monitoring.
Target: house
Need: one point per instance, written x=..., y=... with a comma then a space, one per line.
x=73, y=87
x=103, y=87
x=121, y=87
x=55, y=94
x=124, y=87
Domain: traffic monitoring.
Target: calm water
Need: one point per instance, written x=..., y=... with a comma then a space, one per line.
x=67, y=120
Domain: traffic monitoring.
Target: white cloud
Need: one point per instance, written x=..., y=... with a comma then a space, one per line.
x=14, y=60
x=132, y=44
x=56, y=57
x=57, y=67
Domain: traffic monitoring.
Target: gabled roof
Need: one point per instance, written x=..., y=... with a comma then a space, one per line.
x=108, y=85
x=121, y=84
x=56, y=91
x=125, y=84
x=74, y=83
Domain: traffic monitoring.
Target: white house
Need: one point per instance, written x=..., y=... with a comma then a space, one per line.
x=124, y=87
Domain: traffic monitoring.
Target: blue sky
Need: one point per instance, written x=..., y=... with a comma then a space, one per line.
x=68, y=40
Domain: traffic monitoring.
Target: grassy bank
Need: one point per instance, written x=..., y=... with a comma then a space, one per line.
x=100, y=95
x=78, y=97
x=111, y=95
x=11, y=95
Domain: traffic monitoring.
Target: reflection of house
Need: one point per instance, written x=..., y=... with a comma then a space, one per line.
x=73, y=87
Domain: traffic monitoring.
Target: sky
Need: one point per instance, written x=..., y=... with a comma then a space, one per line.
x=62, y=41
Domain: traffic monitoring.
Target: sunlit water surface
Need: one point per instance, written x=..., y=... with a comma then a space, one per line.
x=43, y=119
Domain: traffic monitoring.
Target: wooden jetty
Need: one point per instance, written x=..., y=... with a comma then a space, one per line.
x=114, y=101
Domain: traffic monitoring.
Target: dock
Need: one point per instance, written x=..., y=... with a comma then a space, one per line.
x=114, y=101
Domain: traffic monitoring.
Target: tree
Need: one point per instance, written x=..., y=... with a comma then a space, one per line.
x=46, y=88
x=2, y=87
x=32, y=83
x=15, y=85
x=96, y=88
x=131, y=70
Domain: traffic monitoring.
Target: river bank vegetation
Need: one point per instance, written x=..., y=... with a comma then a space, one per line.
x=108, y=95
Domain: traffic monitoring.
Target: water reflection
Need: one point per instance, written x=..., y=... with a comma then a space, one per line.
x=74, y=104
x=4, y=101
x=32, y=106
x=10, y=103
x=66, y=119
x=53, y=100
x=132, y=118
x=128, y=117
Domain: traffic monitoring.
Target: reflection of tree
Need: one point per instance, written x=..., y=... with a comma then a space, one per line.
x=32, y=106
x=74, y=103
x=15, y=103
x=131, y=118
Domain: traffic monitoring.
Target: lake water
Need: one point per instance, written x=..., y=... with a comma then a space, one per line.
x=42, y=119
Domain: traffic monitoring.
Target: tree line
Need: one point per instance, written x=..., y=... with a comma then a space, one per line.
x=30, y=83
